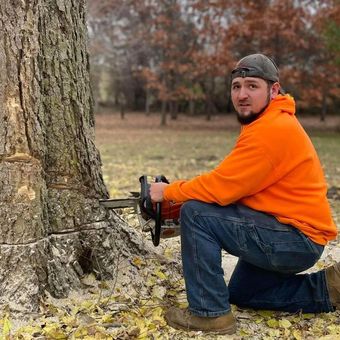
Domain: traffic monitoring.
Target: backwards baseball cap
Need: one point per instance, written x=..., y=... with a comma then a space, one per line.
x=256, y=65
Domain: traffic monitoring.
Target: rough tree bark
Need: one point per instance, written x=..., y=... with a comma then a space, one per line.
x=52, y=229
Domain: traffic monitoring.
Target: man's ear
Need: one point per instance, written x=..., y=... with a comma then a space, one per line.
x=274, y=90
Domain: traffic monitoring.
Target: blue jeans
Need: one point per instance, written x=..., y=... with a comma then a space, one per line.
x=270, y=254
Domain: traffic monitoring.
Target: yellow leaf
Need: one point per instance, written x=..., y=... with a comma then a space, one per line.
x=158, y=292
x=265, y=313
x=138, y=262
x=284, y=323
x=168, y=253
x=157, y=312
x=244, y=332
x=6, y=327
x=286, y=333
x=151, y=281
x=297, y=334
x=86, y=305
x=334, y=329
x=183, y=305
x=53, y=331
x=107, y=318
x=160, y=274
x=143, y=329
x=258, y=320
x=28, y=330
x=80, y=332
x=274, y=333
x=157, y=317
x=273, y=323
x=69, y=321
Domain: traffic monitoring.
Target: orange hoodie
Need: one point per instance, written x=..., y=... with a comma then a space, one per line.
x=273, y=168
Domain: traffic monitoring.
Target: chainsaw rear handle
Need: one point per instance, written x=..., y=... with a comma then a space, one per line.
x=147, y=207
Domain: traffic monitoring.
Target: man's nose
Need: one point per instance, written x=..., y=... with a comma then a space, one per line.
x=243, y=93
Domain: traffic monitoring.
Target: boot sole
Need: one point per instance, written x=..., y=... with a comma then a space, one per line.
x=229, y=330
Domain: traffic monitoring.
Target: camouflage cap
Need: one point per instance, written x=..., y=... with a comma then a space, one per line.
x=256, y=65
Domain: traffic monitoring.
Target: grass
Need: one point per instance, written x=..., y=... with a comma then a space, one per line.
x=327, y=145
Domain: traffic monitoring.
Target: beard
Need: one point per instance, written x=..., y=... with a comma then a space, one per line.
x=245, y=120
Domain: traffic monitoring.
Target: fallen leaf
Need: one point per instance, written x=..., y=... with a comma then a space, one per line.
x=6, y=326
x=160, y=274
x=273, y=323
x=297, y=334
x=284, y=323
x=138, y=262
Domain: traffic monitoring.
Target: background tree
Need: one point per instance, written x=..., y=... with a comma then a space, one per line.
x=181, y=52
x=324, y=71
x=172, y=40
x=51, y=225
x=116, y=50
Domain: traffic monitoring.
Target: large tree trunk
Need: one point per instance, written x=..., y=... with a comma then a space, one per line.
x=52, y=229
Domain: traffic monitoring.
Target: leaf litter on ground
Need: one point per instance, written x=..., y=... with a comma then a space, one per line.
x=109, y=310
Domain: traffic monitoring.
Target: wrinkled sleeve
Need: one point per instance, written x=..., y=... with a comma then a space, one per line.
x=244, y=172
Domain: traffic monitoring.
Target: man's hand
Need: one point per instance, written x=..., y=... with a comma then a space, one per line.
x=157, y=190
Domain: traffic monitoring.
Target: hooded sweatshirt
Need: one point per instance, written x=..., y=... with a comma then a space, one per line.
x=273, y=168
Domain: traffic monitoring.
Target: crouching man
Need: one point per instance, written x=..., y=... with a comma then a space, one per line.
x=264, y=203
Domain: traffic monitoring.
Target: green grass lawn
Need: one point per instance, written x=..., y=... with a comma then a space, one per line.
x=180, y=154
x=327, y=145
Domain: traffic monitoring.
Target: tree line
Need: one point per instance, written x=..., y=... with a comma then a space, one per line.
x=176, y=55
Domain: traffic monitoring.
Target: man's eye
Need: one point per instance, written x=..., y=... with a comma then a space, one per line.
x=235, y=87
x=253, y=86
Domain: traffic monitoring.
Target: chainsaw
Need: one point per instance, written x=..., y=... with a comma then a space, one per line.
x=161, y=219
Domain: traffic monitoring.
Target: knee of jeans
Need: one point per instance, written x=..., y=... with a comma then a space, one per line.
x=189, y=209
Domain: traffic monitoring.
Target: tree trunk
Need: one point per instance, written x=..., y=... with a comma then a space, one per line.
x=147, y=102
x=192, y=107
x=52, y=229
x=174, y=110
x=163, y=112
x=210, y=108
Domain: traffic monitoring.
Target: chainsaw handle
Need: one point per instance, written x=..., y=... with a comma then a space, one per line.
x=158, y=217
x=147, y=208
x=145, y=200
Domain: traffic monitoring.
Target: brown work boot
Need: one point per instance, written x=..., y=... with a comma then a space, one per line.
x=333, y=284
x=184, y=319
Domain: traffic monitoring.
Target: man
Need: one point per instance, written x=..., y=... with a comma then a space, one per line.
x=264, y=203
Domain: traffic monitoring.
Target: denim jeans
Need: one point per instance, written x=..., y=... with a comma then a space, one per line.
x=270, y=255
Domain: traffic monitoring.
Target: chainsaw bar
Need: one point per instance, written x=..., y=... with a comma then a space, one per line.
x=168, y=229
x=120, y=203
x=162, y=223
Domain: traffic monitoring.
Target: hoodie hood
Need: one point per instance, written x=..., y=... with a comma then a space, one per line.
x=284, y=103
